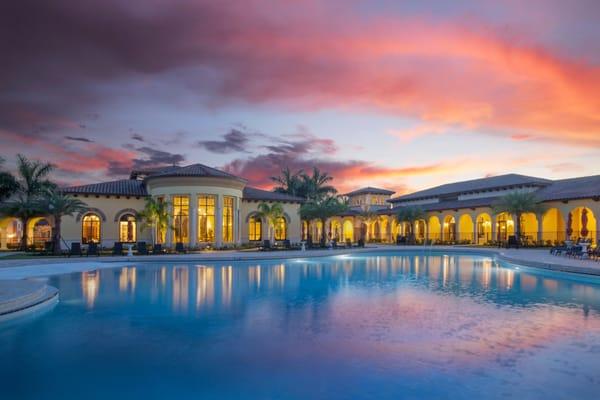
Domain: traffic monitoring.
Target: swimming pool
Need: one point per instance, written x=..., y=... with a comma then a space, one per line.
x=381, y=326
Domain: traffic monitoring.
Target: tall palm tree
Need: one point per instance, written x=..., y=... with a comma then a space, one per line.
x=517, y=204
x=289, y=182
x=8, y=183
x=33, y=177
x=322, y=210
x=317, y=185
x=154, y=216
x=58, y=204
x=270, y=213
x=410, y=215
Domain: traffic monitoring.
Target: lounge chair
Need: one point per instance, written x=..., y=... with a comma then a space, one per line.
x=361, y=243
x=266, y=246
x=142, y=249
x=157, y=249
x=48, y=248
x=512, y=242
x=400, y=240
x=117, y=249
x=287, y=245
x=75, y=249
x=92, y=250
x=179, y=247
x=348, y=243
x=334, y=244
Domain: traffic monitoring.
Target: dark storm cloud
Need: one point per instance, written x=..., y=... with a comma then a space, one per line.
x=233, y=141
x=138, y=137
x=79, y=139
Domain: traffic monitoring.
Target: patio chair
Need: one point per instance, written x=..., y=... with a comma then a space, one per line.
x=179, y=247
x=92, y=250
x=48, y=248
x=287, y=245
x=400, y=240
x=512, y=242
x=361, y=243
x=117, y=249
x=142, y=249
x=75, y=249
x=157, y=249
x=266, y=246
x=334, y=244
x=575, y=251
x=348, y=243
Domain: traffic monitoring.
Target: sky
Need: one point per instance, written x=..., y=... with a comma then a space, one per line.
x=402, y=95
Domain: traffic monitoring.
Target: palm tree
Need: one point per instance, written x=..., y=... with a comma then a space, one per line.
x=270, y=213
x=517, y=204
x=154, y=216
x=33, y=177
x=410, y=215
x=317, y=187
x=58, y=204
x=322, y=210
x=288, y=182
x=8, y=183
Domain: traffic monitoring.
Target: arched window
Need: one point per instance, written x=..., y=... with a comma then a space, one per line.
x=280, y=229
x=90, y=229
x=254, y=229
x=127, y=228
x=42, y=232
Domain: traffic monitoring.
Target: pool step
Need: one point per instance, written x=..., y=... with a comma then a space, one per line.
x=20, y=295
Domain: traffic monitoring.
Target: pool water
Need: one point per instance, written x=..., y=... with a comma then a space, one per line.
x=374, y=326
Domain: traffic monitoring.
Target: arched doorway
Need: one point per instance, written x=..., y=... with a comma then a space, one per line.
x=420, y=230
x=348, y=231
x=449, y=229
x=484, y=228
x=583, y=225
x=90, y=229
x=336, y=230
x=13, y=232
x=39, y=232
x=505, y=227
x=127, y=228
x=435, y=229
x=466, y=229
x=553, y=227
x=529, y=228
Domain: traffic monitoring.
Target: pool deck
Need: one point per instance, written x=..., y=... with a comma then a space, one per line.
x=21, y=291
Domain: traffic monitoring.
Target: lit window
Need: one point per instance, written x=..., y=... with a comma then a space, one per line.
x=206, y=219
x=255, y=229
x=90, y=229
x=127, y=228
x=228, y=219
x=181, y=218
x=280, y=229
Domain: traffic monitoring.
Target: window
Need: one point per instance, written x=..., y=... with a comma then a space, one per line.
x=228, y=219
x=90, y=229
x=255, y=229
x=181, y=218
x=206, y=219
x=280, y=229
x=127, y=228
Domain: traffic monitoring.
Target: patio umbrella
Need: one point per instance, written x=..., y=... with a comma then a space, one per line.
x=584, y=222
x=570, y=225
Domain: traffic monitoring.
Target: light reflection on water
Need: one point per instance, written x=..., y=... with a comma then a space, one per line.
x=380, y=326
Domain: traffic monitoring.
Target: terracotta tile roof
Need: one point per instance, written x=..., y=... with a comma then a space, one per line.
x=197, y=170
x=123, y=187
x=251, y=193
x=475, y=185
x=370, y=190
x=573, y=188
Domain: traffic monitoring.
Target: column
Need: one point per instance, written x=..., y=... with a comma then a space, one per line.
x=475, y=231
x=494, y=228
x=3, y=239
x=237, y=221
x=219, y=222
x=193, y=219
x=169, y=236
x=540, y=223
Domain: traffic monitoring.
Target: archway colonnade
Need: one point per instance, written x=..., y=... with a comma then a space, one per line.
x=481, y=226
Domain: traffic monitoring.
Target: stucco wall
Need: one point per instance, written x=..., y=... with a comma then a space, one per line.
x=291, y=209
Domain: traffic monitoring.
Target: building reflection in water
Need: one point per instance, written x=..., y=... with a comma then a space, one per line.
x=181, y=282
x=277, y=275
x=90, y=282
x=254, y=276
x=205, y=286
x=226, y=284
x=127, y=280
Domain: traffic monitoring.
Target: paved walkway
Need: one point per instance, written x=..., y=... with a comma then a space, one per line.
x=538, y=258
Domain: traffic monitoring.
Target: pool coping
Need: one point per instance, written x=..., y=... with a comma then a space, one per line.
x=534, y=258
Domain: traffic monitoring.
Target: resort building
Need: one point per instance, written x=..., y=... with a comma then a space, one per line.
x=462, y=212
x=208, y=208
